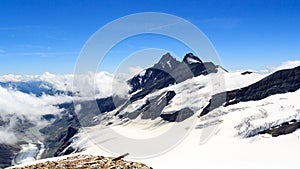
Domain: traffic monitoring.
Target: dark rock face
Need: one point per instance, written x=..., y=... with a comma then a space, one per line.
x=62, y=129
x=167, y=63
x=7, y=153
x=246, y=73
x=165, y=80
x=197, y=67
x=178, y=116
x=48, y=117
x=90, y=109
x=169, y=71
x=282, y=81
x=212, y=68
x=155, y=74
x=282, y=129
x=156, y=106
x=57, y=132
x=65, y=140
x=152, y=108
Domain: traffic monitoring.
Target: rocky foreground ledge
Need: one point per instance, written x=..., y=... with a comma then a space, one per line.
x=87, y=162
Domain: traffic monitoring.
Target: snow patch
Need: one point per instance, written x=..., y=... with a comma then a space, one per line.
x=192, y=60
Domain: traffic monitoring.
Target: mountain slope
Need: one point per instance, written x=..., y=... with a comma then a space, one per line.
x=226, y=143
x=279, y=82
x=237, y=136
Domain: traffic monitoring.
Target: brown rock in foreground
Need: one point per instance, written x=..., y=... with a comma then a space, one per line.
x=87, y=161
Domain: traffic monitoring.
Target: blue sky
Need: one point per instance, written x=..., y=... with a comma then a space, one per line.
x=47, y=35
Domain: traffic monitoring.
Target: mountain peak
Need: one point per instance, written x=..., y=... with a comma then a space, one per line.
x=167, y=56
x=190, y=58
x=167, y=62
x=164, y=73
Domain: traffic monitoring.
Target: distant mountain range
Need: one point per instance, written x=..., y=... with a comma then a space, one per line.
x=38, y=88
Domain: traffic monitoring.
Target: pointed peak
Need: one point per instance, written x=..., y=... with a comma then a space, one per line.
x=190, y=58
x=167, y=56
x=167, y=61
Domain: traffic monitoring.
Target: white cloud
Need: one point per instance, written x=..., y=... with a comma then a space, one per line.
x=15, y=106
x=134, y=70
x=285, y=65
x=99, y=85
x=7, y=137
x=29, y=106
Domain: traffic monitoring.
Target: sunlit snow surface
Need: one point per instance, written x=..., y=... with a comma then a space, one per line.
x=227, y=147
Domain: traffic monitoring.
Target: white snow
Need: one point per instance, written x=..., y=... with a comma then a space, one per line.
x=191, y=60
x=27, y=154
x=234, y=80
x=169, y=64
x=226, y=148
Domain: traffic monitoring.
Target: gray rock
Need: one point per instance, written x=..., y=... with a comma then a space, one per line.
x=7, y=153
x=282, y=129
x=178, y=116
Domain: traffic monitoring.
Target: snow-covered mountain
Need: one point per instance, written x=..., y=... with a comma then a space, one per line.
x=186, y=114
x=251, y=127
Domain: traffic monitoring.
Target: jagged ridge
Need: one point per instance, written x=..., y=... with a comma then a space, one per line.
x=168, y=71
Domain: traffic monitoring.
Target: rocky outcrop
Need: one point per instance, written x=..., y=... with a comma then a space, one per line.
x=282, y=129
x=177, y=116
x=246, y=73
x=66, y=141
x=282, y=81
x=58, y=134
x=152, y=108
x=87, y=162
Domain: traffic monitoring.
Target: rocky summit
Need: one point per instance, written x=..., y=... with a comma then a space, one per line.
x=86, y=162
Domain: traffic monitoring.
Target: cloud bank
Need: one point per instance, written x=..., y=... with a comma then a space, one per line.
x=16, y=107
x=96, y=85
x=284, y=65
